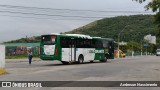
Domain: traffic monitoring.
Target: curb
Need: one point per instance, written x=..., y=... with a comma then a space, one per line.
x=21, y=60
x=130, y=57
x=2, y=71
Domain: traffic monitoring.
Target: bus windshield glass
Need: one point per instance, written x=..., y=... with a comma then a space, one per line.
x=48, y=39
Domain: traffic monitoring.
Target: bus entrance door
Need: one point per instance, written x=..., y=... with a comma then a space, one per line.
x=72, y=51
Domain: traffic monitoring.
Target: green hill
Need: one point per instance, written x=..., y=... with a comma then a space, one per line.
x=139, y=26
x=34, y=39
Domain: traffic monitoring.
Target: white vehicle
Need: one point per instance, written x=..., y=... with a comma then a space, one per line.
x=158, y=52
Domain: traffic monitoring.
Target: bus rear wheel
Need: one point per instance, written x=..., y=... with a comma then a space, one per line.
x=80, y=59
x=65, y=63
x=105, y=59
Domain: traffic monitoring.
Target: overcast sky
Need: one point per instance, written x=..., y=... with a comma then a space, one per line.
x=15, y=25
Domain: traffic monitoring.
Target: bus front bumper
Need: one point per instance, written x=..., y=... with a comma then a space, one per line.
x=44, y=57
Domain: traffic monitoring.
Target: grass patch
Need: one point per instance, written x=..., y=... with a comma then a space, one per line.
x=20, y=56
x=2, y=71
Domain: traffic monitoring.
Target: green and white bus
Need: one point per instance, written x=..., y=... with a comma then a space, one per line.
x=69, y=48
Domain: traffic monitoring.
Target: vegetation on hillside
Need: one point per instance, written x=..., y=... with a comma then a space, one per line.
x=34, y=39
x=139, y=26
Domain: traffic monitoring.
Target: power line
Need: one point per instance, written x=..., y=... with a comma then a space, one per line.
x=40, y=14
x=24, y=7
x=54, y=15
x=44, y=18
x=50, y=15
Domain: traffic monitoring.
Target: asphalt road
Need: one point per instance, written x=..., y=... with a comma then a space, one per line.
x=145, y=68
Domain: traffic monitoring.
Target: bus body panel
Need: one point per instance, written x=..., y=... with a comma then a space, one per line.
x=65, y=54
x=99, y=54
x=86, y=53
x=68, y=55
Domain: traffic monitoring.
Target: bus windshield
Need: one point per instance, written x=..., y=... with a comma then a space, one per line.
x=48, y=39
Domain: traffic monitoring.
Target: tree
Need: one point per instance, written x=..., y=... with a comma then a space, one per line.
x=140, y=1
x=155, y=6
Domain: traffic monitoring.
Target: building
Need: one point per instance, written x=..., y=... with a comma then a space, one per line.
x=150, y=38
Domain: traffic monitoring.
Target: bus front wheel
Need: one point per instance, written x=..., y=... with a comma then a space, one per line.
x=105, y=59
x=80, y=59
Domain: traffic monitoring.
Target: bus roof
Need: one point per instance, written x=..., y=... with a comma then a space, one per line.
x=79, y=36
x=71, y=35
x=102, y=38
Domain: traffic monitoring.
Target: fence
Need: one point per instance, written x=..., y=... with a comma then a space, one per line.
x=14, y=49
x=21, y=50
x=138, y=53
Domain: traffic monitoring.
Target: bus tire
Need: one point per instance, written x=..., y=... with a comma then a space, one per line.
x=80, y=59
x=105, y=59
x=91, y=61
x=65, y=63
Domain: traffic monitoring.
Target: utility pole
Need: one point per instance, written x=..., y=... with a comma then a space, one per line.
x=132, y=49
x=146, y=51
x=118, y=44
x=141, y=48
x=119, y=38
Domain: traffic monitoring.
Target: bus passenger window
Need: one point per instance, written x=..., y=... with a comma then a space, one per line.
x=64, y=42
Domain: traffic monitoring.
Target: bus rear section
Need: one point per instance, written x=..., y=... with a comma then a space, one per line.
x=49, y=47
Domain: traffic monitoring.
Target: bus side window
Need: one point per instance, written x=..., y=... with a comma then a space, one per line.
x=99, y=44
x=64, y=42
x=93, y=43
x=90, y=43
x=86, y=43
x=79, y=43
x=72, y=42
